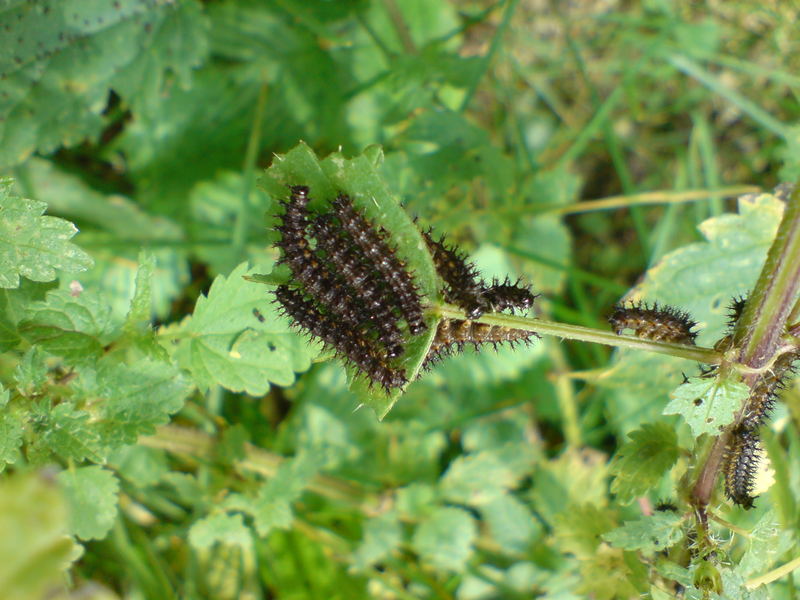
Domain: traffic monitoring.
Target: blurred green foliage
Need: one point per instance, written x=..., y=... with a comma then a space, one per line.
x=147, y=124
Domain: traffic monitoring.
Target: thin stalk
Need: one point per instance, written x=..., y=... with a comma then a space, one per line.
x=400, y=26
x=565, y=393
x=588, y=334
x=659, y=197
x=243, y=214
x=773, y=575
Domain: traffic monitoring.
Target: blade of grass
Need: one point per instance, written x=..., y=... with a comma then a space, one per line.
x=750, y=108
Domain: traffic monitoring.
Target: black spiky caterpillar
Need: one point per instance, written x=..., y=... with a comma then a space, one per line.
x=384, y=260
x=735, y=309
x=659, y=323
x=344, y=340
x=452, y=335
x=460, y=277
x=355, y=270
x=742, y=458
x=463, y=287
x=508, y=296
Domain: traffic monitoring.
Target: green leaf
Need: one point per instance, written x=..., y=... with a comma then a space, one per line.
x=382, y=535
x=767, y=542
x=478, y=479
x=30, y=374
x=141, y=311
x=416, y=500
x=11, y=429
x=92, y=496
x=579, y=527
x=120, y=229
x=137, y=327
x=359, y=177
x=272, y=506
x=64, y=62
x=35, y=550
x=134, y=399
x=707, y=405
x=221, y=528
x=141, y=465
x=69, y=434
x=639, y=465
x=224, y=343
x=33, y=245
x=178, y=42
x=648, y=534
x=9, y=337
x=511, y=523
x=445, y=538
x=575, y=477
x=75, y=327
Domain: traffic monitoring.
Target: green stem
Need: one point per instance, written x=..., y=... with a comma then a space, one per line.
x=774, y=294
x=759, y=330
x=243, y=214
x=588, y=334
x=400, y=26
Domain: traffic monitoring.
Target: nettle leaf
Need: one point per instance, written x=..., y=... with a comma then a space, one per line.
x=35, y=550
x=359, y=177
x=116, y=228
x=73, y=327
x=60, y=64
x=92, y=496
x=648, y=534
x=511, y=523
x=579, y=527
x=30, y=375
x=768, y=541
x=134, y=398
x=70, y=435
x=445, y=538
x=224, y=343
x=479, y=478
x=639, y=465
x=382, y=535
x=707, y=405
x=271, y=508
x=11, y=426
x=137, y=326
x=33, y=245
x=176, y=41
x=221, y=528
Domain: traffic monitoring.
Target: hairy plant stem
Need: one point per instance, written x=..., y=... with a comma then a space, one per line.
x=759, y=330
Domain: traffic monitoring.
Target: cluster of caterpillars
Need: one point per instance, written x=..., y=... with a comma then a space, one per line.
x=463, y=287
x=743, y=454
x=350, y=289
